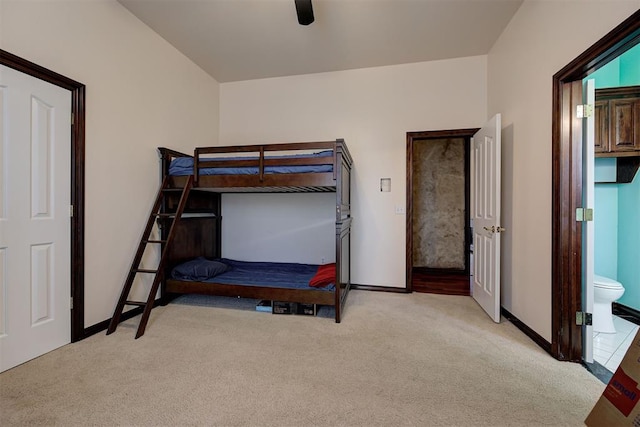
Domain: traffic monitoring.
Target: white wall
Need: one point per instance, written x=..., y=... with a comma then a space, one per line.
x=141, y=94
x=279, y=227
x=372, y=109
x=543, y=37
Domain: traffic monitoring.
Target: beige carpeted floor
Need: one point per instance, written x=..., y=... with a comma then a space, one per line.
x=395, y=360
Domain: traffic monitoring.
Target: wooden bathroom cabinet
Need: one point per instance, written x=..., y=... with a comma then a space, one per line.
x=617, y=122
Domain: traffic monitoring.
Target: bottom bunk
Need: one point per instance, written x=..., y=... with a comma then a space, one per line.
x=275, y=281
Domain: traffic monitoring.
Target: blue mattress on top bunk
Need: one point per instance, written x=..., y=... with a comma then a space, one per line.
x=184, y=166
x=263, y=274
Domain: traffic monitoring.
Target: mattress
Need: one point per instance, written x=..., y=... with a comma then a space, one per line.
x=184, y=165
x=263, y=274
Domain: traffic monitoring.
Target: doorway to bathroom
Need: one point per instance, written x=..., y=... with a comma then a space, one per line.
x=616, y=199
x=568, y=160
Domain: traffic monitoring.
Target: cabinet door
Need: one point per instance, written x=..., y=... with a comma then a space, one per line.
x=625, y=116
x=601, y=138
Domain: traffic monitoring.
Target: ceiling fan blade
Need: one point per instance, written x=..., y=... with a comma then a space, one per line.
x=304, y=10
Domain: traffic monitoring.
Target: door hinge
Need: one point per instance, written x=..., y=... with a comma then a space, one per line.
x=71, y=211
x=71, y=304
x=73, y=119
x=584, y=111
x=584, y=214
x=583, y=318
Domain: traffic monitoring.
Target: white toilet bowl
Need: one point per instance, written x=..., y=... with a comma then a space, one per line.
x=605, y=291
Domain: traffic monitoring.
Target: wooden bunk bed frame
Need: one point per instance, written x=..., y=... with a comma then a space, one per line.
x=198, y=232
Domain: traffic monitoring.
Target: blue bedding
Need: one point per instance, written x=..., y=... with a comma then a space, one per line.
x=266, y=274
x=184, y=166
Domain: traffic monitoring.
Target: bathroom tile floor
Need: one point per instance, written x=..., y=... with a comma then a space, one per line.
x=609, y=349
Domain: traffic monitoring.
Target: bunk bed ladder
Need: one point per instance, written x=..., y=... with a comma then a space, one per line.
x=157, y=212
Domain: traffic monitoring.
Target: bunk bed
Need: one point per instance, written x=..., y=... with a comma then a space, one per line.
x=273, y=168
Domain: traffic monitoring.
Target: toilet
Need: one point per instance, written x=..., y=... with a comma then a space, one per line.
x=605, y=291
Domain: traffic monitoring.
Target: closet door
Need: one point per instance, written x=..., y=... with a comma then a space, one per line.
x=35, y=223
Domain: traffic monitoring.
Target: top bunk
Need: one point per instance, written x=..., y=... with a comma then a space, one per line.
x=304, y=167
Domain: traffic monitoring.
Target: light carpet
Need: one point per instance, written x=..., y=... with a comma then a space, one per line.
x=395, y=360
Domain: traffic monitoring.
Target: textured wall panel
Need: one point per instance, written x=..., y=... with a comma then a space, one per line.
x=439, y=204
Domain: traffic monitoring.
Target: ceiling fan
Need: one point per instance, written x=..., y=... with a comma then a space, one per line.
x=304, y=11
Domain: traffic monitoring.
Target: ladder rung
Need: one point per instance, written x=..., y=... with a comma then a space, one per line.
x=144, y=270
x=138, y=303
x=154, y=241
x=173, y=190
x=165, y=215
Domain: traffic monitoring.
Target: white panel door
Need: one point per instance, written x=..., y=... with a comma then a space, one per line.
x=588, y=230
x=35, y=223
x=485, y=159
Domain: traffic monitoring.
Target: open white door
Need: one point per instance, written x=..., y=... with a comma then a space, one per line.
x=35, y=224
x=485, y=211
x=588, y=229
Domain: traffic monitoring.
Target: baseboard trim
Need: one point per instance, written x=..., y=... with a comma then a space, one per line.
x=102, y=326
x=544, y=344
x=537, y=338
x=379, y=289
x=626, y=312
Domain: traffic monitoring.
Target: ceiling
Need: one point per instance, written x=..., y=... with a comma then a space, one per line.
x=235, y=40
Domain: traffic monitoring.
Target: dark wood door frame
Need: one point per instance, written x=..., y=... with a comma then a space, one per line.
x=77, y=178
x=566, y=281
x=412, y=138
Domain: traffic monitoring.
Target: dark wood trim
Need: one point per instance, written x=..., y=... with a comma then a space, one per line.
x=613, y=44
x=535, y=337
x=409, y=213
x=617, y=92
x=626, y=312
x=413, y=137
x=441, y=282
x=77, y=178
x=566, y=280
x=102, y=326
x=379, y=289
x=443, y=134
x=567, y=233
